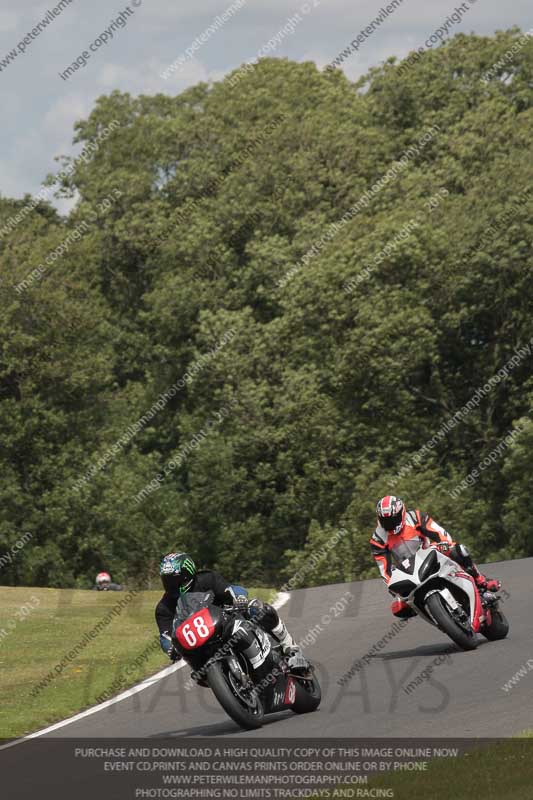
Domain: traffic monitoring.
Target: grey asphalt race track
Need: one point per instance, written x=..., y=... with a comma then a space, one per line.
x=463, y=696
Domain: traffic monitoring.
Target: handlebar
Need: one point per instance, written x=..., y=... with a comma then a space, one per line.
x=233, y=609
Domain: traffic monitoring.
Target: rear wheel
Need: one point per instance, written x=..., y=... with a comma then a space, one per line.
x=499, y=627
x=463, y=636
x=242, y=705
x=308, y=695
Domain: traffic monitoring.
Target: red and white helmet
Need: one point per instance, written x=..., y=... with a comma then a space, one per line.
x=103, y=578
x=391, y=513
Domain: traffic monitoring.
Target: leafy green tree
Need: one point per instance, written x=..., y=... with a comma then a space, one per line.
x=356, y=337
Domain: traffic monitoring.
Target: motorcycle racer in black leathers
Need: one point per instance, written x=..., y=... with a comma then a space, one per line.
x=179, y=575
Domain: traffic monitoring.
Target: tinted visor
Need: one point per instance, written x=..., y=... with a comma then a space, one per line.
x=389, y=523
x=173, y=583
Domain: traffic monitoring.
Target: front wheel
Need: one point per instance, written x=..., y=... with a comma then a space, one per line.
x=308, y=695
x=244, y=708
x=463, y=637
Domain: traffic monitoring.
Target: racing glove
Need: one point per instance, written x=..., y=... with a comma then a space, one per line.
x=241, y=603
x=167, y=647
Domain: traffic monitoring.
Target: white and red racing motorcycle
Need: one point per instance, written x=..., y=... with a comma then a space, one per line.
x=443, y=594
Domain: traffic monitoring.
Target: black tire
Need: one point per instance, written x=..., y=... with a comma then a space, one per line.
x=498, y=629
x=231, y=704
x=308, y=696
x=463, y=639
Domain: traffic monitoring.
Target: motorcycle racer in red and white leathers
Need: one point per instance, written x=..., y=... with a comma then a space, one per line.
x=395, y=521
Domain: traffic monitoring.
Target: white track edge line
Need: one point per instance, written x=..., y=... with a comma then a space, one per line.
x=280, y=600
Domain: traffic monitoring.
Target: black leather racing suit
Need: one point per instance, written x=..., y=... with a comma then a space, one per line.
x=262, y=614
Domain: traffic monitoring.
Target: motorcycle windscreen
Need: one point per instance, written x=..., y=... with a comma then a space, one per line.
x=403, y=552
x=193, y=623
x=191, y=602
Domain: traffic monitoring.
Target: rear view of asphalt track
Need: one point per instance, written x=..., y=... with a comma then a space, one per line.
x=463, y=696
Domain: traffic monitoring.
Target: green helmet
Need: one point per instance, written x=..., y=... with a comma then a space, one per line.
x=177, y=572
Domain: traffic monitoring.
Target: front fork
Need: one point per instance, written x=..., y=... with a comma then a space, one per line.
x=457, y=610
x=240, y=675
x=490, y=603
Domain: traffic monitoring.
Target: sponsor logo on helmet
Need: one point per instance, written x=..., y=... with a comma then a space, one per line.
x=170, y=564
x=188, y=565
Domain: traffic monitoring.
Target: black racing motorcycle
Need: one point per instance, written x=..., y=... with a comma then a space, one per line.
x=240, y=662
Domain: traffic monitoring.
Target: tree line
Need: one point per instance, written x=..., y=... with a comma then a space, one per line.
x=353, y=345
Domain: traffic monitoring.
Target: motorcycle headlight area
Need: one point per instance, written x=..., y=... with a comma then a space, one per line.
x=403, y=588
x=429, y=566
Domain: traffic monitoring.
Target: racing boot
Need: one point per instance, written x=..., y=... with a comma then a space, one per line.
x=288, y=645
x=296, y=661
x=268, y=618
x=460, y=554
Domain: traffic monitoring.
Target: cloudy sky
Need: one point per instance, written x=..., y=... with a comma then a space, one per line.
x=39, y=107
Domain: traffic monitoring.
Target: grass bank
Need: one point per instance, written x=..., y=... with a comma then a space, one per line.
x=61, y=650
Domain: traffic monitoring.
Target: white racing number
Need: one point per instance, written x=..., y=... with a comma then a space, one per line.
x=202, y=631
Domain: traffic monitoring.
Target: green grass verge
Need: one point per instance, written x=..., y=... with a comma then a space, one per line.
x=494, y=772
x=38, y=628
x=502, y=771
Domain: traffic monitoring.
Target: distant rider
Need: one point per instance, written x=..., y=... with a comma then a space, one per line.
x=179, y=575
x=103, y=583
x=395, y=522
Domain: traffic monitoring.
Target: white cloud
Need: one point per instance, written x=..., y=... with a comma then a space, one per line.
x=9, y=21
x=188, y=74
x=146, y=78
x=58, y=122
x=139, y=80
x=39, y=109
